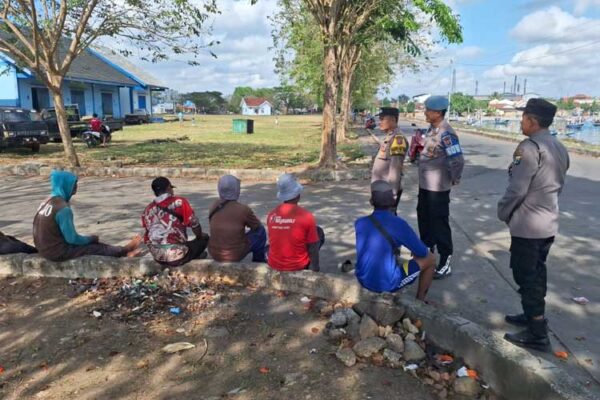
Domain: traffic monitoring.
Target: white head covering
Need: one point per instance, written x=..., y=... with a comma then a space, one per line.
x=288, y=187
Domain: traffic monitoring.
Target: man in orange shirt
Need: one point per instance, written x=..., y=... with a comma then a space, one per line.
x=294, y=237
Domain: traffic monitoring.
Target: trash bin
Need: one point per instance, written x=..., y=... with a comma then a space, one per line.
x=250, y=126
x=239, y=126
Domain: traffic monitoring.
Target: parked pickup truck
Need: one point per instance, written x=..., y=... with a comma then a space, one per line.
x=77, y=125
x=17, y=129
x=139, y=116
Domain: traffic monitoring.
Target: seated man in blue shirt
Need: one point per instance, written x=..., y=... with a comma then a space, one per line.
x=379, y=237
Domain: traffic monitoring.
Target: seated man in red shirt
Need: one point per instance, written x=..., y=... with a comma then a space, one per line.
x=165, y=221
x=294, y=237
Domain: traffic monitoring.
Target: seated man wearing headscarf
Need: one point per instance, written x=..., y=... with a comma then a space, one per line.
x=54, y=232
x=229, y=219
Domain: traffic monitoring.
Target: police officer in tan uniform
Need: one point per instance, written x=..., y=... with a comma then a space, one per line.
x=530, y=208
x=389, y=160
x=440, y=168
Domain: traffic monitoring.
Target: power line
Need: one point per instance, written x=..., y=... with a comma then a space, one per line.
x=533, y=58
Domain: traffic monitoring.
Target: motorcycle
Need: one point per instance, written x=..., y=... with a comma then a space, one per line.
x=417, y=143
x=370, y=124
x=92, y=138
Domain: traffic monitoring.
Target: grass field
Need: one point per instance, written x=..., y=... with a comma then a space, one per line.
x=208, y=143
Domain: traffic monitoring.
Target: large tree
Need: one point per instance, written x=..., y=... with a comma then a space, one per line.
x=347, y=29
x=45, y=36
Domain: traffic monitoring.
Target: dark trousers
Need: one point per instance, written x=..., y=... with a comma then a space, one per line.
x=12, y=245
x=196, y=249
x=528, y=264
x=258, y=243
x=96, y=249
x=433, y=210
x=397, y=201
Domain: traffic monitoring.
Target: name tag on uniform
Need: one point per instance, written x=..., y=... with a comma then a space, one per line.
x=451, y=145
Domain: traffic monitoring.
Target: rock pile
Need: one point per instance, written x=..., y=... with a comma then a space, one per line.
x=381, y=333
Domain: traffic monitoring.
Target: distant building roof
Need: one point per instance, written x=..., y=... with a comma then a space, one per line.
x=88, y=67
x=255, y=101
x=128, y=68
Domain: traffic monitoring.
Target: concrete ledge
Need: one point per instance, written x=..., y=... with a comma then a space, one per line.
x=512, y=372
x=264, y=175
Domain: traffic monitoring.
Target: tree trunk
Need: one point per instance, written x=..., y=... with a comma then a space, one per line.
x=347, y=74
x=63, y=124
x=328, y=158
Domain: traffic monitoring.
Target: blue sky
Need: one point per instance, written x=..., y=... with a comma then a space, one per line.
x=554, y=44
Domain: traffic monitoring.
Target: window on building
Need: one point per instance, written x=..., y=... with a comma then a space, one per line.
x=107, y=104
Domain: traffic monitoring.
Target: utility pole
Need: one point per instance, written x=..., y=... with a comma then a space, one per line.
x=525, y=87
x=515, y=86
x=504, y=90
x=452, y=89
x=476, y=88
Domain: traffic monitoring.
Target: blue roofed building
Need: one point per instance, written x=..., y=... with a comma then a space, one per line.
x=95, y=83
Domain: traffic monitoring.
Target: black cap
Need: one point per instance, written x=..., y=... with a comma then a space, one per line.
x=540, y=107
x=160, y=185
x=382, y=194
x=393, y=111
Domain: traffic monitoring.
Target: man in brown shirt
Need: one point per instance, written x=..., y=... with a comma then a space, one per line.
x=229, y=219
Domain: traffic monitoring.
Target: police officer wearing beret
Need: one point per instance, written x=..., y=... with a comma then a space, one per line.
x=530, y=208
x=389, y=160
x=440, y=167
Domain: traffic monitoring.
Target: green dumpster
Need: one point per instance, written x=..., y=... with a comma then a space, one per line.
x=239, y=126
x=243, y=126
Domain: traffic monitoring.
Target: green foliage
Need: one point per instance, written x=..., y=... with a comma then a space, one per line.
x=389, y=42
x=567, y=104
x=410, y=107
x=282, y=97
x=207, y=102
x=461, y=103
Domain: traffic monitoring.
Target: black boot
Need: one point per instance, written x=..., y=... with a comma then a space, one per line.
x=534, y=337
x=517, y=320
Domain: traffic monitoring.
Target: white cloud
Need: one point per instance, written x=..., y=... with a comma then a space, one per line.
x=469, y=52
x=558, y=26
x=562, y=56
x=582, y=5
x=243, y=56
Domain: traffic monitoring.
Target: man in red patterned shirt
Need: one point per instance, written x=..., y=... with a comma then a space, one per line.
x=165, y=221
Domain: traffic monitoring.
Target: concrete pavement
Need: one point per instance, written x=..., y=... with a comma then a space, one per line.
x=481, y=288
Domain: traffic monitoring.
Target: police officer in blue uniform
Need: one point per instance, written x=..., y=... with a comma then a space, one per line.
x=440, y=168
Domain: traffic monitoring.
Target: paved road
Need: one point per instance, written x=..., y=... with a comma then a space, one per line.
x=481, y=288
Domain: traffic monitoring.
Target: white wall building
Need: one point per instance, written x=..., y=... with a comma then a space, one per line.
x=256, y=106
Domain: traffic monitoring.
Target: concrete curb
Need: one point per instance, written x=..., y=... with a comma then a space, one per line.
x=265, y=175
x=512, y=372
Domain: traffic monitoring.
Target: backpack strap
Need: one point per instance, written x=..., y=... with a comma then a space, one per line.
x=385, y=234
x=218, y=208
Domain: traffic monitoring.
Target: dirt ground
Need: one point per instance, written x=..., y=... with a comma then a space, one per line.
x=249, y=345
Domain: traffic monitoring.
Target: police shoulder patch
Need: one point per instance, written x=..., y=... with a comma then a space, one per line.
x=451, y=144
x=517, y=156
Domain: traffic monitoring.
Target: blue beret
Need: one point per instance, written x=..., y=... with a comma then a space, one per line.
x=436, y=103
